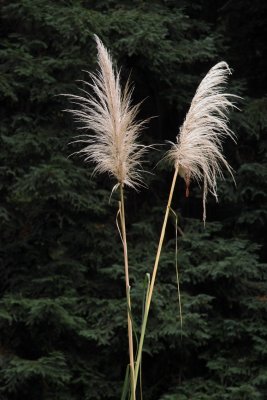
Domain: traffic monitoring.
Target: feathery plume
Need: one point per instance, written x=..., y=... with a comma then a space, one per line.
x=198, y=150
x=113, y=147
x=109, y=114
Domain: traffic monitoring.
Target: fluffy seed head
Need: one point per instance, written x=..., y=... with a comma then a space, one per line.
x=198, y=149
x=107, y=112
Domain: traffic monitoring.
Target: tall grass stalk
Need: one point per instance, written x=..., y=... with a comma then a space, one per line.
x=108, y=117
x=197, y=154
x=128, y=297
x=153, y=278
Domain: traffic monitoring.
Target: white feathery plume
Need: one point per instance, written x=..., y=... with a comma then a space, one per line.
x=107, y=111
x=198, y=150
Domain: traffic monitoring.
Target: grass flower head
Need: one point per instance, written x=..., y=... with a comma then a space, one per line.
x=107, y=112
x=197, y=152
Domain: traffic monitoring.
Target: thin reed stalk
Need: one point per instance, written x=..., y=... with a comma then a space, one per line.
x=154, y=274
x=108, y=118
x=197, y=154
x=127, y=283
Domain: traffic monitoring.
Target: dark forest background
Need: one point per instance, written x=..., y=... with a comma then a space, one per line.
x=63, y=332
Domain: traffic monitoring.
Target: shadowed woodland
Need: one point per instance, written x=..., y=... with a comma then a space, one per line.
x=63, y=329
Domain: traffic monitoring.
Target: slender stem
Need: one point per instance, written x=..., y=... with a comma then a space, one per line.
x=149, y=296
x=127, y=283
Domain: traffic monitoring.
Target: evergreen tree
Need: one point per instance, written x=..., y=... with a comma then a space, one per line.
x=62, y=309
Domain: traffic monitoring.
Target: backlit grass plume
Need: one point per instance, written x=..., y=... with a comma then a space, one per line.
x=197, y=154
x=107, y=111
x=198, y=151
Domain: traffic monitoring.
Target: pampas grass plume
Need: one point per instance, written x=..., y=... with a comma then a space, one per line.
x=197, y=152
x=107, y=112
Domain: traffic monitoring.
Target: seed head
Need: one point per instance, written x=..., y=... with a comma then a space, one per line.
x=198, y=148
x=107, y=112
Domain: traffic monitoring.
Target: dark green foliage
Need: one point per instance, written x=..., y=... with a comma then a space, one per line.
x=62, y=308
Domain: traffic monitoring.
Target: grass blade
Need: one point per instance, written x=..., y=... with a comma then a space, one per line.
x=125, y=389
x=176, y=269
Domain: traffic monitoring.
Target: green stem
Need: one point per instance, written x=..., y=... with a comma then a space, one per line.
x=128, y=298
x=149, y=297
